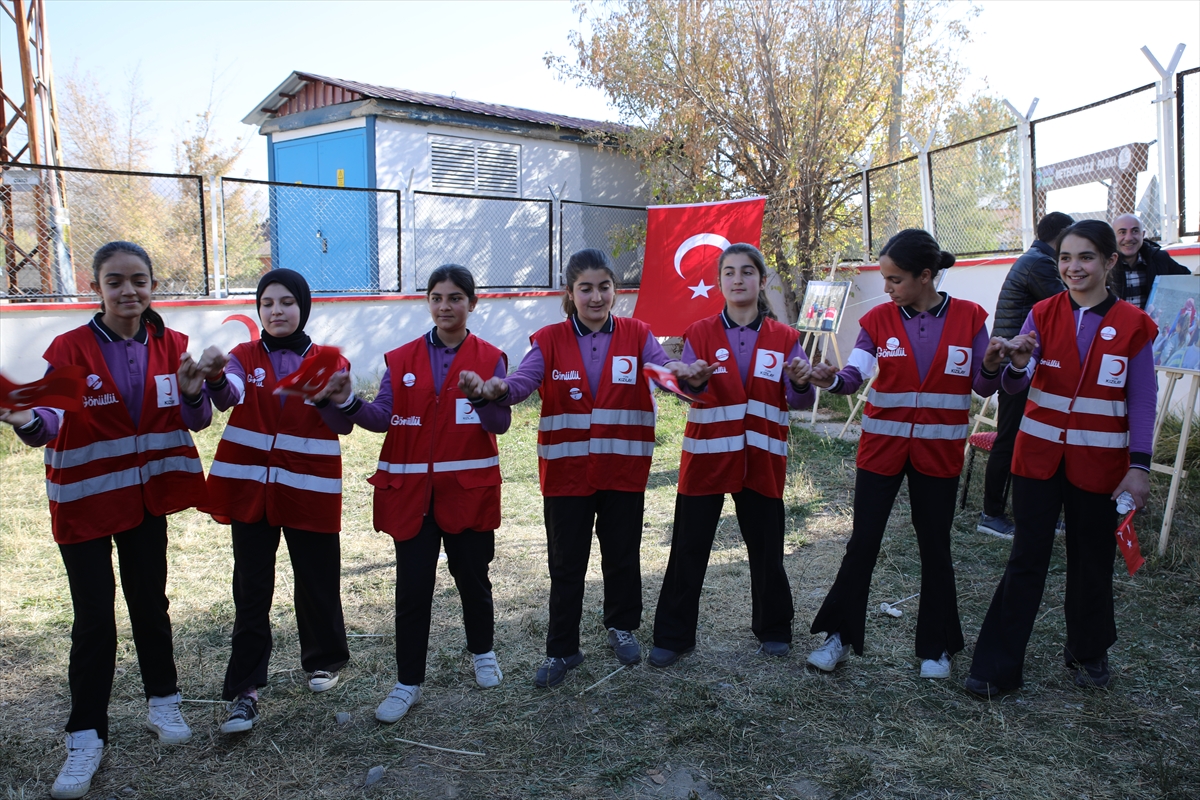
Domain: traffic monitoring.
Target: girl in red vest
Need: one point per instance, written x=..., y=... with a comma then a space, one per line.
x=114, y=471
x=595, y=443
x=278, y=469
x=751, y=370
x=931, y=351
x=1086, y=439
x=438, y=480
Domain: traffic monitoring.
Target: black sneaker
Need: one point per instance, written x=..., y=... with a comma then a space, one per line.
x=996, y=526
x=553, y=670
x=662, y=657
x=1093, y=674
x=980, y=688
x=242, y=714
x=625, y=646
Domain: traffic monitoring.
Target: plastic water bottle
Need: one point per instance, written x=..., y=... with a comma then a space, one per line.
x=1125, y=503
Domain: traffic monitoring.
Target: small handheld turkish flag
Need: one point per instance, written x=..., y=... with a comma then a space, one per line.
x=63, y=389
x=313, y=374
x=664, y=378
x=683, y=243
x=1127, y=541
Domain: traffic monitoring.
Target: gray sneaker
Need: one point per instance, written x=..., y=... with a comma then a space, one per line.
x=829, y=655
x=84, y=750
x=999, y=526
x=398, y=702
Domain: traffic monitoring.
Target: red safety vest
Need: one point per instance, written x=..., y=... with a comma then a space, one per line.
x=278, y=460
x=1077, y=411
x=592, y=438
x=102, y=474
x=436, y=447
x=909, y=419
x=736, y=434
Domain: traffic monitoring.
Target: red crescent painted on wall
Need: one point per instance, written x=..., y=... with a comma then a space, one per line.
x=1120, y=369
x=774, y=361
x=628, y=362
x=249, y=323
x=964, y=355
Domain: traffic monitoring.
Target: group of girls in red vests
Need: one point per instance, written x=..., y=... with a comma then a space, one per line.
x=117, y=468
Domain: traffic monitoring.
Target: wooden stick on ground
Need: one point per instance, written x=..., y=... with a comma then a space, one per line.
x=440, y=749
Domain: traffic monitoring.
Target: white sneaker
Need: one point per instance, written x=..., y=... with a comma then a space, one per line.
x=322, y=681
x=936, y=669
x=167, y=721
x=398, y=702
x=487, y=671
x=84, y=749
x=830, y=654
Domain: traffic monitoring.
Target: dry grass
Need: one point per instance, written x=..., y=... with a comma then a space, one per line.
x=724, y=723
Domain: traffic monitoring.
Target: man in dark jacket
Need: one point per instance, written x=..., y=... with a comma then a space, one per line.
x=1033, y=277
x=1141, y=262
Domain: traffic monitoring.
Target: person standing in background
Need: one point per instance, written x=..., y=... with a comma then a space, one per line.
x=1140, y=263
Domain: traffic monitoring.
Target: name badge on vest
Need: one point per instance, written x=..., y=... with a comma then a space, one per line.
x=624, y=369
x=768, y=364
x=958, y=360
x=464, y=412
x=1113, y=370
x=168, y=390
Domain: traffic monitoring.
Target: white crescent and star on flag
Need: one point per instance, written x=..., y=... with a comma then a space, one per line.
x=712, y=240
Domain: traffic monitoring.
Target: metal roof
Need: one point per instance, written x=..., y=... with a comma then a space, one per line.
x=266, y=108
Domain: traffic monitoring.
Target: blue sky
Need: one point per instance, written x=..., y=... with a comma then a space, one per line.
x=1066, y=53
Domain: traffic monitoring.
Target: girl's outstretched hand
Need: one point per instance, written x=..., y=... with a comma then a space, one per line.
x=338, y=388
x=470, y=384
x=798, y=371
x=1020, y=348
x=1137, y=483
x=698, y=372
x=190, y=378
x=15, y=417
x=822, y=374
x=212, y=363
x=494, y=388
x=997, y=347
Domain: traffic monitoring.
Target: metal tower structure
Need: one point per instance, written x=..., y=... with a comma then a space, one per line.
x=29, y=138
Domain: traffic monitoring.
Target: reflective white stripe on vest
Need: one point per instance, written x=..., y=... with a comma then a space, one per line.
x=1041, y=430
x=559, y=422
x=164, y=441
x=891, y=399
x=955, y=402
x=312, y=447
x=926, y=431
x=1097, y=439
x=622, y=416
x=887, y=427
x=475, y=463
x=239, y=472
x=1101, y=408
x=259, y=441
x=309, y=483
x=1054, y=402
x=562, y=450
x=403, y=469
x=724, y=444
x=68, y=492
x=706, y=416
x=64, y=459
x=620, y=447
x=774, y=446
x=768, y=412
x=158, y=466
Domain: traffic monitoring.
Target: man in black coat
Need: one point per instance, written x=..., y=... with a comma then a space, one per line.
x=1141, y=262
x=1033, y=277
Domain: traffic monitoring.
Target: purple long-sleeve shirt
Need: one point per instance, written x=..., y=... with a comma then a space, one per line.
x=1141, y=387
x=593, y=346
x=283, y=363
x=742, y=340
x=924, y=332
x=127, y=361
x=377, y=415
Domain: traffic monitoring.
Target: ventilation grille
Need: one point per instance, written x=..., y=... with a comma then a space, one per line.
x=470, y=166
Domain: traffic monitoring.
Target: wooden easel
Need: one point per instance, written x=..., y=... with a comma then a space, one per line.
x=826, y=341
x=1176, y=470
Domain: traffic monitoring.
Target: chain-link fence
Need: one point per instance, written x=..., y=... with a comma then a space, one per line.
x=976, y=194
x=1187, y=107
x=620, y=231
x=845, y=219
x=507, y=243
x=340, y=239
x=52, y=219
x=1099, y=161
x=894, y=200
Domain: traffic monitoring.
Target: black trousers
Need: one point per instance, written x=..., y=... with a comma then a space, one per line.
x=999, y=464
x=468, y=555
x=142, y=559
x=317, y=573
x=932, y=501
x=617, y=519
x=1091, y=547
x=760, y=519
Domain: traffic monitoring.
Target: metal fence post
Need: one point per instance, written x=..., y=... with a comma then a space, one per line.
x=555, y=246
x=1169, y=208
x=866, y=208
x=220, y=267
x=927, y=218
x=1026, y=143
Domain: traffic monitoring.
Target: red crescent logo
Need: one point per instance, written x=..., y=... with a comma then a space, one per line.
x=249, y=323
x=169, y=386
x=628, y=362
x=1120, y=369
x=774, y=361
x=964, y=355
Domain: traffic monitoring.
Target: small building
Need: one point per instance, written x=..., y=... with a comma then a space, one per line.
x=500, y=189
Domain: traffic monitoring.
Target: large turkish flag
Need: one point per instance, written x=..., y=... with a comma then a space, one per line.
x=683, y=243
